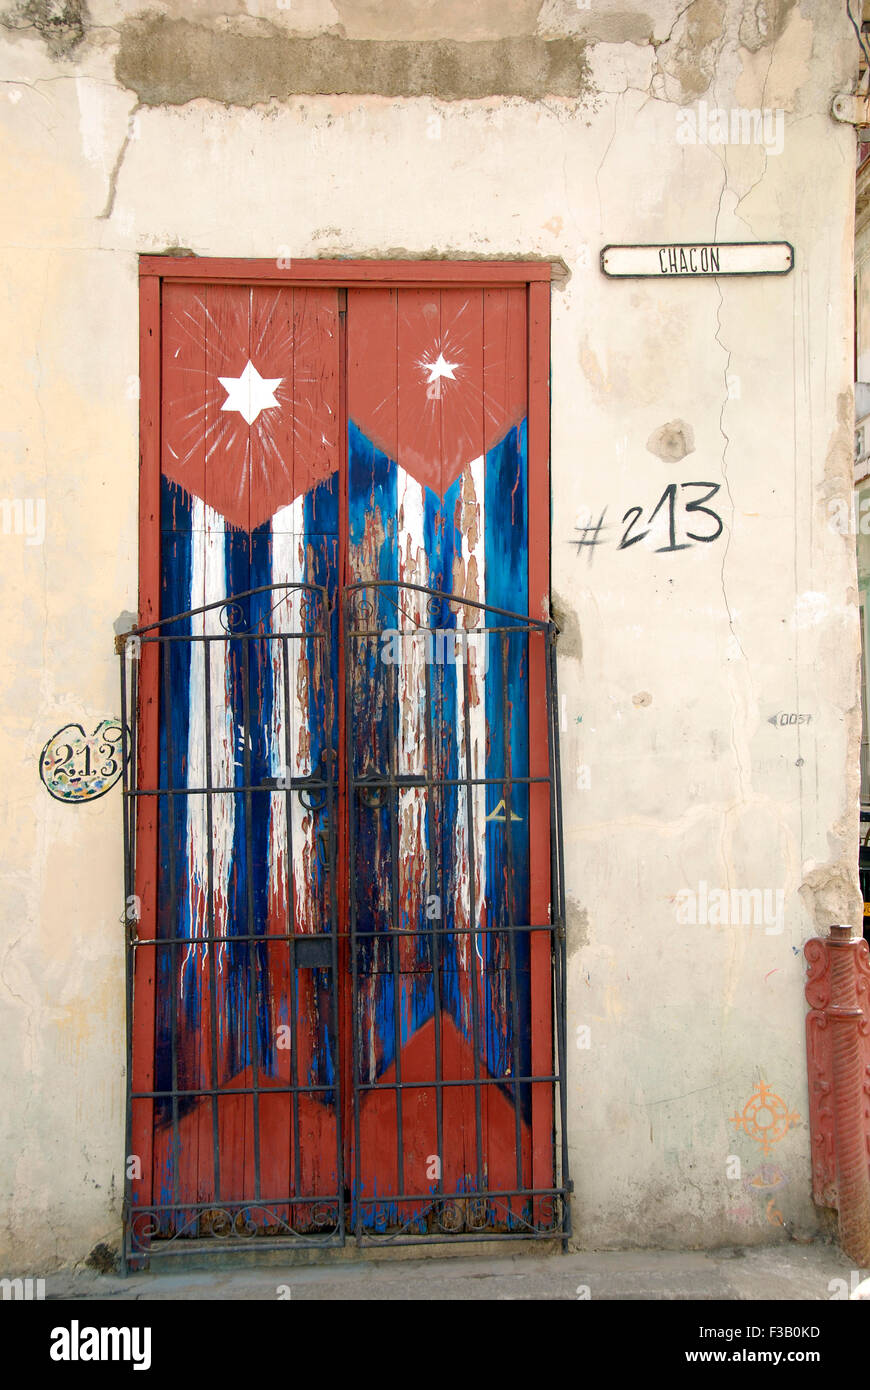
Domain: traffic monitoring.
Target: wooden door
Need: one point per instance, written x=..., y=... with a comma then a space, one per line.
x=438, y=503
x=338, y=1003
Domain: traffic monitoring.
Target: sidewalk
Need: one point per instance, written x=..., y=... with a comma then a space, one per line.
x=785, y=1271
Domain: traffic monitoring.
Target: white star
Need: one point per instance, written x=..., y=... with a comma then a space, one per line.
x=249, y=393
x=440, y=368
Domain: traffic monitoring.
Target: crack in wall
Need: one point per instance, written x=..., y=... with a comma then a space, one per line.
x=119, y=161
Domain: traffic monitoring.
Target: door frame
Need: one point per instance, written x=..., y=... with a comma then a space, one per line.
x=342, y=274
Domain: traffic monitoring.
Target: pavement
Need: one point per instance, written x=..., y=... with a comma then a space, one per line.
x=790, y=1271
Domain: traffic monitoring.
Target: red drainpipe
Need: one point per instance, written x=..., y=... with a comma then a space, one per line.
x=838, y=1067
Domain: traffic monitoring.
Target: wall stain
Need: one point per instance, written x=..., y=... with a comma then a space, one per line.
x=570, y=643
x=61, y=23
x=629, y=26
x=171, y=62
x=672, y=441
x=576, y=926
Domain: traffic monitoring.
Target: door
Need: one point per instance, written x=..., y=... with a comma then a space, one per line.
x=342, y=819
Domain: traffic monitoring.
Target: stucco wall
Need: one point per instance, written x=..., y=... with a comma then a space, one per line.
x=214, y=128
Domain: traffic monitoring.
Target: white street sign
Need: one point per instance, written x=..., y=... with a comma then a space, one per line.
x=699, y=258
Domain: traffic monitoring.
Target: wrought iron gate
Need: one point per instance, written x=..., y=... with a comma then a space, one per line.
x=300, y=867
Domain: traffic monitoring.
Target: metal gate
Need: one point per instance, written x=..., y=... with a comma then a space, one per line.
x=455, y=986
x=234, y=1115
x=263, y=1102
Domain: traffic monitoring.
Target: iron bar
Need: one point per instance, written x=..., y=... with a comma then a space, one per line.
x=472, y=919
x=291, y=909
x=213, y=1022
x=512, y=939
x=166, y=662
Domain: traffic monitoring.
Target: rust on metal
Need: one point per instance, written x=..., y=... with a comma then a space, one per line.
x=838, y=1065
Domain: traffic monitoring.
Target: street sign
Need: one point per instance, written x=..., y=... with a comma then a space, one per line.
x=690, y=258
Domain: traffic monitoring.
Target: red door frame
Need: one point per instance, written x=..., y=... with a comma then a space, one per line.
x=153, y=270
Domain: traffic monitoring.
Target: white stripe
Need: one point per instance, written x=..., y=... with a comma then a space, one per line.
x=474, y=558
x=413, y=568
x=208, y=584
x=288, y=566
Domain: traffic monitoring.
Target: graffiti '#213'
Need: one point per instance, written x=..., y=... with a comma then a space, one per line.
x=684, y=517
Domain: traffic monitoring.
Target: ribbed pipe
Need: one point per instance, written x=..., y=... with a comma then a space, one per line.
x=847, y=1052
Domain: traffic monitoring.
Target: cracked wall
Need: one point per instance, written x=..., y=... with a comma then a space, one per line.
x=537, y=130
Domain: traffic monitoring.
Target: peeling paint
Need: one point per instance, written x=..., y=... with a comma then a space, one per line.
x=830, y=894
x=564, y=615
x=689, y=56
x=763, y=22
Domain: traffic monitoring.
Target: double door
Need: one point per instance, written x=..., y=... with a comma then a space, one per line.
x=346, y=959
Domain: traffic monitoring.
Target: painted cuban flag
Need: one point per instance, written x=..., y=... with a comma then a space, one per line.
x=300, y=449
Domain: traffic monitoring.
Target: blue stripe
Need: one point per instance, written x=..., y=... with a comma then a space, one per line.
x=173, y=915
x=238, y=1020
x=372, y=502
x=507, y=560
x=261, y=698
x=451, y=704
x=320, y=522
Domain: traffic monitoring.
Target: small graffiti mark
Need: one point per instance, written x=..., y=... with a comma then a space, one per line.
x=774, y=1215
x=766, y=1178
x=75, y=766
x=498, y=813
x=786, y=720
x=771, y=972
x=742, y=1213
x=765, y=1118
